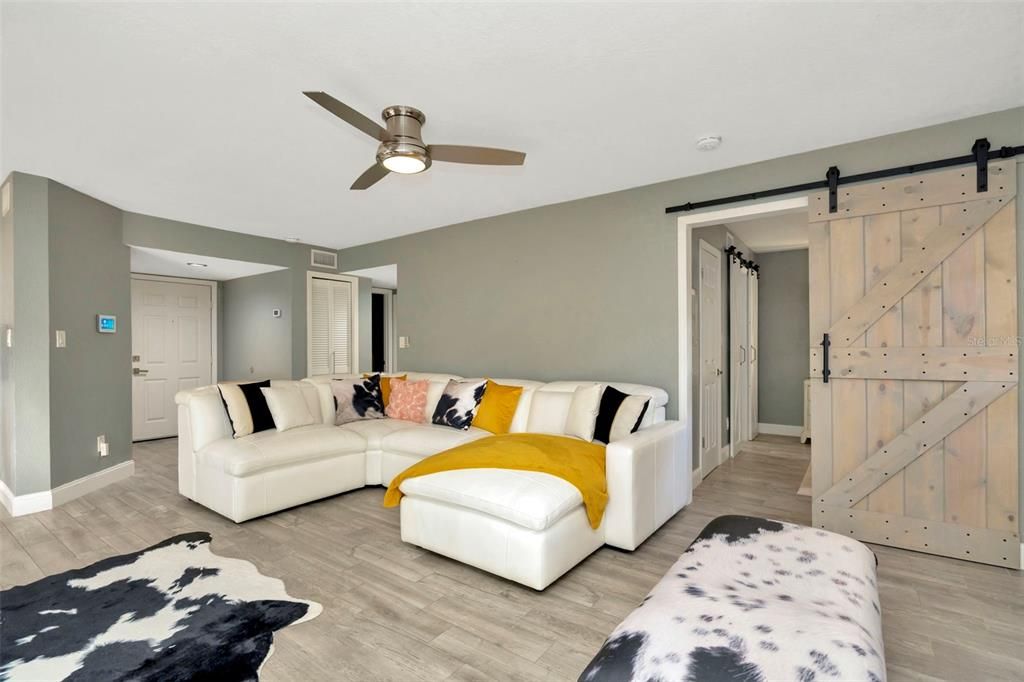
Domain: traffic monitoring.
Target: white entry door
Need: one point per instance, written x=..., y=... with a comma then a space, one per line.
x=172, y=350
x=710, y=291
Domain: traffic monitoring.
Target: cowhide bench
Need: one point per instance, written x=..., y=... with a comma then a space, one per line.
x=752, y=599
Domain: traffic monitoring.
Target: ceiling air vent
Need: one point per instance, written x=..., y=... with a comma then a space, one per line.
x=323, y=259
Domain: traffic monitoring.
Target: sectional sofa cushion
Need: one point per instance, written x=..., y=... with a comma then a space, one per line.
x=498, y=407
x=458, y=404
x=529, y=499
x=374, y=430
x=408, y=400
x=357, y=399
x=620, y=414
x=246, y=407
x=288, y=407
x=270, y=449
x=427, y=439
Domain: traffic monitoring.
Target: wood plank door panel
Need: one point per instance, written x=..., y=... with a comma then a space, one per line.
x=914, y=436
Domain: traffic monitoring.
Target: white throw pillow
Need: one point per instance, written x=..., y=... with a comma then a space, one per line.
x=586, y=403
x=288, y=407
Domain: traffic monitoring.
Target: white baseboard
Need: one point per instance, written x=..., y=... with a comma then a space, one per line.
x=20, y=505
x=92, y=482
x=780, y=430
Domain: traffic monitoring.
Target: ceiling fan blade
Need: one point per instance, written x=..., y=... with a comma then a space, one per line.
x=370, y=177
x=457, y=153
x=349, y=115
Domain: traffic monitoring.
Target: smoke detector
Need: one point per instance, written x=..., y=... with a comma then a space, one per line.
x=709, y=142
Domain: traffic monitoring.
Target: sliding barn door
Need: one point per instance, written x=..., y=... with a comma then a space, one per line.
x=914, y=436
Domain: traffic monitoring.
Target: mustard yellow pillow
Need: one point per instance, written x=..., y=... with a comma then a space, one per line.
x=497, y=408
x=385, y=386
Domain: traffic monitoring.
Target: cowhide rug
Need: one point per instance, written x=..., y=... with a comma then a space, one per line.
x=175, y=611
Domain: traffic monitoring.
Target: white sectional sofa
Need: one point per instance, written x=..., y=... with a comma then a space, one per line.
x=525, y=526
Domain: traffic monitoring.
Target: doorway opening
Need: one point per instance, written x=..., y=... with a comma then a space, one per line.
x=732, y=342
x=381, y=316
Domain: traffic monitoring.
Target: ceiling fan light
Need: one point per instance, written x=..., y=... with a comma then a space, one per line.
x=404, y=164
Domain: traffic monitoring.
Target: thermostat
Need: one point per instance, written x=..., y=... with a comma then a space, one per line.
x=106, y=324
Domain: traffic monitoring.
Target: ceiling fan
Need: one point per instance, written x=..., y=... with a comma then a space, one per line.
x=402, y=149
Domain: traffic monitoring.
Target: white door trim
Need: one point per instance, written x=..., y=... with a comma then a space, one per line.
x=684, y=225
x=390, y=335
x=214, y=314
x=354, y=281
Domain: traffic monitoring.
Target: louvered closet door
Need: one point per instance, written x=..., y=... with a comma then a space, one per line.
x=914, y=437
x=330, y=342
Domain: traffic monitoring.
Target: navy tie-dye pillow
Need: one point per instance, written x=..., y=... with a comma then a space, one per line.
x=459, y=403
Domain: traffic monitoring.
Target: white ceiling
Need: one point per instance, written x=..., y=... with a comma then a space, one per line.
x=780, y=232
x=174, y=264
x=194, y=111
x=384, y=276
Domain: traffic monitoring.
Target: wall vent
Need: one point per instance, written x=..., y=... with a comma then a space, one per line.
x=323, y=259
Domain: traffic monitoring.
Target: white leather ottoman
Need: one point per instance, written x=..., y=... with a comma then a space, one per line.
x=526, y=526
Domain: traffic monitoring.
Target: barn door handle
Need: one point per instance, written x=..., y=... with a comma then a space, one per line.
x=825, y=371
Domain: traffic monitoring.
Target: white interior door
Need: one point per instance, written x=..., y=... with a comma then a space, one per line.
x=332, y=348
x=710, y=402
x=752, y=363
x=739, y=376
x=172, y=350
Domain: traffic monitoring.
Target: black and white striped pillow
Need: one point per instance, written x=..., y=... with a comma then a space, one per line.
x=247, y=407
x=620, y=414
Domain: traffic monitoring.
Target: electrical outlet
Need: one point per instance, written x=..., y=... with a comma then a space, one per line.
x=102, y=446
x=62, y=339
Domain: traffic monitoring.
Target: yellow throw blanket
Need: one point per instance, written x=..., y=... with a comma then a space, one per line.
x=576, y=461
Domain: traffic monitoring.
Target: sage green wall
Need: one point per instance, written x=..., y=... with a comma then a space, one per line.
x=588, y=288
x=365, y=325
x=173, y=235
x=783, y=319
x=30, y=357
x=90, y=379
x=6, y=323
x=240, y=298
x=258, y=345
x=68, y=264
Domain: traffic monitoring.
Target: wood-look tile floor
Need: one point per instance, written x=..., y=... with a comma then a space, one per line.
x=396, y=612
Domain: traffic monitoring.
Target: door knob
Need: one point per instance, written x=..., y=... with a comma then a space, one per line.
x=139, y=372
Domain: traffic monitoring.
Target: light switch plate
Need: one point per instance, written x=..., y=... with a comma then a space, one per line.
x=62, y=339
x=403, y=341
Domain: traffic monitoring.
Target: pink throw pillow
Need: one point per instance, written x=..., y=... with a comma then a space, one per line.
x=408, y=400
